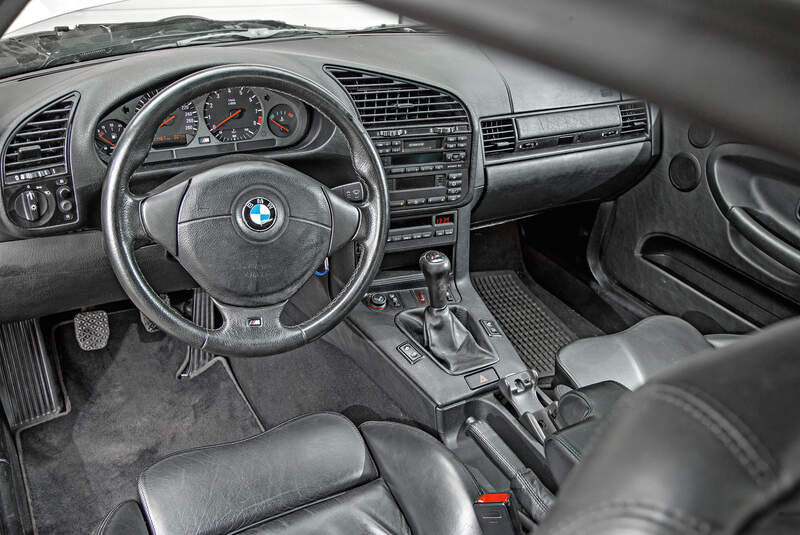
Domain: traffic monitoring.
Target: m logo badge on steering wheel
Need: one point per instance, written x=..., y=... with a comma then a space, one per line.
x=259, y=214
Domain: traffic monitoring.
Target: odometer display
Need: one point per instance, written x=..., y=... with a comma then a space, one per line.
x=233, y=114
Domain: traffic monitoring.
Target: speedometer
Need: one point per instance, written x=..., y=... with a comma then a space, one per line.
x=233, y=114
x=178, y=128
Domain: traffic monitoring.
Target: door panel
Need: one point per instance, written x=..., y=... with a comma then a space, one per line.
x=722, y=248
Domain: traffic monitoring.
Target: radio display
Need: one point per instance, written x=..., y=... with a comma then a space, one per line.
x=426, y=144
x=415, y=182
x=423, y=157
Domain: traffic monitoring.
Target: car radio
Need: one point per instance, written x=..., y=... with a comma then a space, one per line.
x=425, y=165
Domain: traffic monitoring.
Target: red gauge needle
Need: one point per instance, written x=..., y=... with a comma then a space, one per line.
x=228, y=118
x=168, y=119
x=107, y=141
x=279, y=124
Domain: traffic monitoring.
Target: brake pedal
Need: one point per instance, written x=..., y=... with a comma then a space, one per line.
x=92, y=330
x=148, y=324
x=197, y=361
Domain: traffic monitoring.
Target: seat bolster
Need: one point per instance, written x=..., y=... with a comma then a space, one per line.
x=592, y=401
x=433, y=488
x=632, y=356
x=564, y=449
x=124, y=519
x=224, y=488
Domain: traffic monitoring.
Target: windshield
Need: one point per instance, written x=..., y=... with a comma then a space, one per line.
x=55, y=32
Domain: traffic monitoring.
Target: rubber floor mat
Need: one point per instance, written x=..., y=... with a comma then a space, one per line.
x=536, y=333
x=128, y=411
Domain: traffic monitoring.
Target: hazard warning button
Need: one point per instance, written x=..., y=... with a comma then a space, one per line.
x=482, y=378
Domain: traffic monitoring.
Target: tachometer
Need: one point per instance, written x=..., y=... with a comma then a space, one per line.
x=178, y=128
x=233, y=114
x=107, y=134
x=282, y=120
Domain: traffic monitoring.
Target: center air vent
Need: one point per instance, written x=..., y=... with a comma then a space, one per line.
x=386, y=101
x=634, y=117
x=498, y=136
x=39, y=146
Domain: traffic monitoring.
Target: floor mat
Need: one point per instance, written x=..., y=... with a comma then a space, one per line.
x=128, y=411
x=312, y=378
x=533, y=329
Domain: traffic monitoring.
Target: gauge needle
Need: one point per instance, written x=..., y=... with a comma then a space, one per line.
x=279, y=124
x=107, y=141
x=228, y=118
x=168, y=119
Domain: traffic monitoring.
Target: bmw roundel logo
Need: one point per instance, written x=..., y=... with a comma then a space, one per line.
x=259, y=214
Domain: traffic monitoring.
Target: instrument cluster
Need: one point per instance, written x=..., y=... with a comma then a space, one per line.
x=227, y=120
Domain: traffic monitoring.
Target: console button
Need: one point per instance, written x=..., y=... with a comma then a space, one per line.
x=454, y=183
x=65, y=205
x=481, y=379
x=397, y=204
x=436, y=199
x=409, y=352
x=412, y=169
x=414, y=202
x=397, y=170
x=455, y=176
x=452, y=198
x=453, y=191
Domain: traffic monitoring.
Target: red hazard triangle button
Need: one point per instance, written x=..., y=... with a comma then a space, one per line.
x=482, y=378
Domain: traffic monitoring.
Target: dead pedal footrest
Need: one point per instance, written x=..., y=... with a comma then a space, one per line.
x=30, y=390
x=197, y=361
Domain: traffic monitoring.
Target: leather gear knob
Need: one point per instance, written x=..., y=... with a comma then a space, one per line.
x=436, y=267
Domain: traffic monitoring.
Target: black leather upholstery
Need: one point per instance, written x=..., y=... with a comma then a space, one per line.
x=592, y=401
x=564, y=449
x=124, y=519
x=712, y=446
x=634, y=355
x=313, y=474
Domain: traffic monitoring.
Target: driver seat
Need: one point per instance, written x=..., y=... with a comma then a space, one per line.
x=709, y=447
x=314, y=474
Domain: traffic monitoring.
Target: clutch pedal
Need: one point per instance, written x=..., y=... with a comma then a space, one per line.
x=197, y=361
x=31, y=391
x=92, y=330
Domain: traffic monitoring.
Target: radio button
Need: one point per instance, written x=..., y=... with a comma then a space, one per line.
x=455, y=176
x=438, y=167
x=414, y=202
x=397, y=170
x=397, y=204
x=436, y=199
x=451, y=198
x=426, y=168
x=412, y=169
x=453, y=191
x=455, y=165
x=461, y=138
x=461, y=145
x=449, y=145
x=454, y=183
x=396, y=143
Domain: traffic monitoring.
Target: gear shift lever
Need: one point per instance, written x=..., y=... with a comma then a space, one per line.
x=436, y=268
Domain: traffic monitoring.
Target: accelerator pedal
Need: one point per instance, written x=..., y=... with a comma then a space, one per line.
x=92, y=330
x=197, y=361
x=30, y=388
x=148, y=324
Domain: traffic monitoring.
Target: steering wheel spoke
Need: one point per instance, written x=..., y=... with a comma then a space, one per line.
x=159, y=216
x=254, y=329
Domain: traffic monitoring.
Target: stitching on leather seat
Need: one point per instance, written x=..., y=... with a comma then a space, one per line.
x=742, y=449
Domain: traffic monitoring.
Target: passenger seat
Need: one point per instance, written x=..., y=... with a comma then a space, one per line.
x=634, y=355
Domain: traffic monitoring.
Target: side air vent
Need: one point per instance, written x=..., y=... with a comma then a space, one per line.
x=498, y=136
x=40, y=144
x=386, y=101
x=634, y=118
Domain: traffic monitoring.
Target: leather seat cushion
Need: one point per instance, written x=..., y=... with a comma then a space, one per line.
x=314, y=474
x=632, y=356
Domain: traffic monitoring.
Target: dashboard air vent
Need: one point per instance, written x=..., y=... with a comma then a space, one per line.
x=41, y=141
x=634, y=118
x=383, y=100
x=498, y=136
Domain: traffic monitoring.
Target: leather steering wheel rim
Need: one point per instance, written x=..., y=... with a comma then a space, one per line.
x=124, y=227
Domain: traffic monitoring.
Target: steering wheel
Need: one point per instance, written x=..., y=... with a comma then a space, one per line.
x=249, y=230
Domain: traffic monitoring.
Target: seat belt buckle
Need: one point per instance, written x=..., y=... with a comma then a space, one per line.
x=497, y=514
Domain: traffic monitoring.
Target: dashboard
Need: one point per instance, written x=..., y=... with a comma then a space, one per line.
x=467, y=137
x=233, y=119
